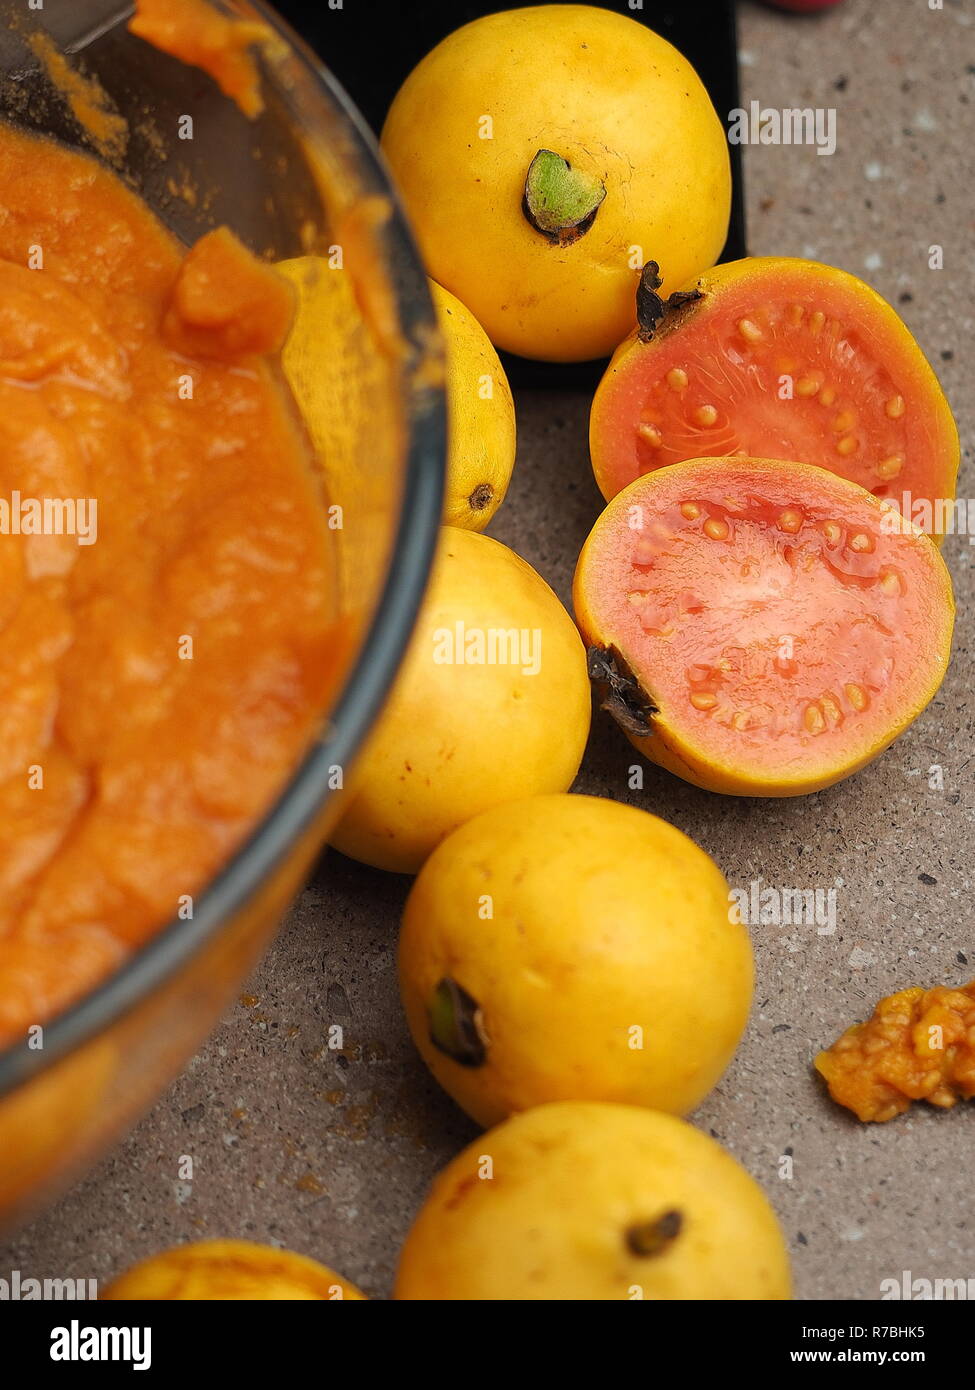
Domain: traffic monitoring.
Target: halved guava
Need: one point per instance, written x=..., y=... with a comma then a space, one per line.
x=778, y=358
x=758, y=627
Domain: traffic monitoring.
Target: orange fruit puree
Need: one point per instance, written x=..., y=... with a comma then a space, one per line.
x=163, y=666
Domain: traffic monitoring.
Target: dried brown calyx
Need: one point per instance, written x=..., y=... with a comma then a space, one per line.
x=481, y=497
x=649, y=1238
x=560, y=201
x=622, y=694
x=651, y=310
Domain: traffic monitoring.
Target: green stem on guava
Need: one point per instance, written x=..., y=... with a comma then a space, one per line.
x=560, y=202
x=456, y=1026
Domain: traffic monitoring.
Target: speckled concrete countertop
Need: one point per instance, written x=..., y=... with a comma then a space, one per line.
x=331, y=1155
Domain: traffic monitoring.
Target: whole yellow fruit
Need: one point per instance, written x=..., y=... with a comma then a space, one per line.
x=584, y=1201
x=544, y=154
x=572, y=948
x=480, y=418
x=229, y=1271
x=480, y=409
x=492, y=704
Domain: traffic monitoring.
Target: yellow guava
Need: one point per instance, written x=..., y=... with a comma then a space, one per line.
x=544, y=155
x=492, y=704
x=480, y=410
x=480, y=418
x=593, y=1202
x=573, y=948
x=230, y=1270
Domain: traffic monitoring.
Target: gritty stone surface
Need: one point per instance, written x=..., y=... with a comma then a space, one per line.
x=330, y=1154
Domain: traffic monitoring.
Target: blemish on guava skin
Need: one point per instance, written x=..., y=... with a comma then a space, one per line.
x=465, y=1185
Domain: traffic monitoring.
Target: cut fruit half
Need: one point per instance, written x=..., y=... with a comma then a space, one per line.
x=780, y=358
x=761, y=628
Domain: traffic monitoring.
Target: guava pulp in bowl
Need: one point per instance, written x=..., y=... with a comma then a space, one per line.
x=285, y=183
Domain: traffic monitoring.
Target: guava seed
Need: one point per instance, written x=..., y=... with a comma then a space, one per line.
x=790, y=520
x=831, y=709
x=813, y=718
x=890, y=467
x=808, y=385
x=857, y=697
x=650, y=434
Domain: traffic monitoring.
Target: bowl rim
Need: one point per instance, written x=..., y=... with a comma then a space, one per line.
x=365, y=684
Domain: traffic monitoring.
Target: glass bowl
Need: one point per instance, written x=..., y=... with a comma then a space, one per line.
x=304, y=177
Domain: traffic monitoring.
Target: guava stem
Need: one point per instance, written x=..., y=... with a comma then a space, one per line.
x=650, y=308
x=456, y=1025
x=623, y=695
x=560, y=201
x=654, y=1237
